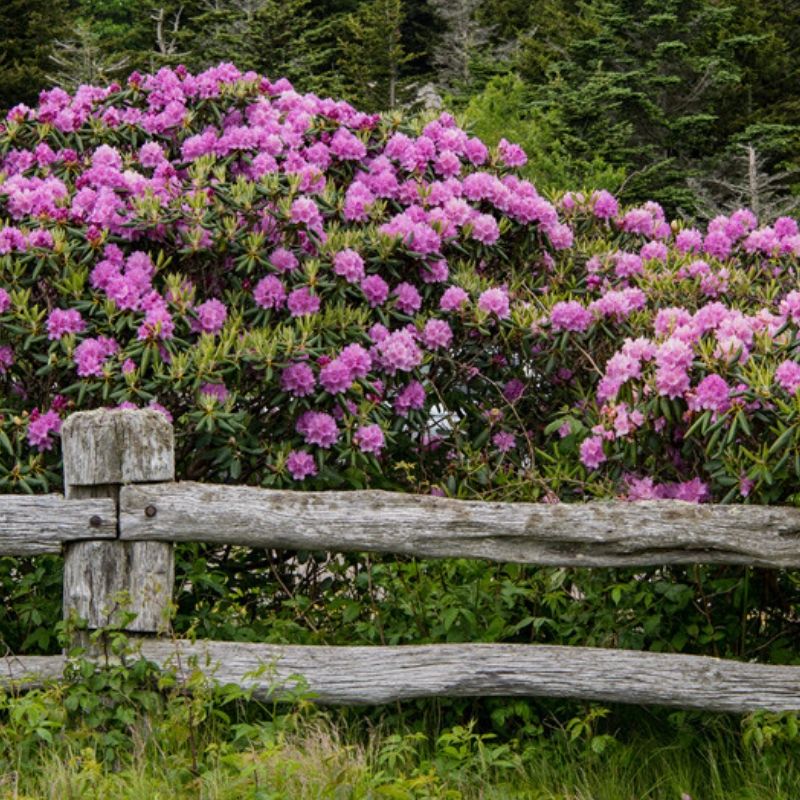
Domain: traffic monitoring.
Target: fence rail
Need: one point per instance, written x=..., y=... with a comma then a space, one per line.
x=610, y=534
x=374, y=674
x=122, y=513
x=32, y=525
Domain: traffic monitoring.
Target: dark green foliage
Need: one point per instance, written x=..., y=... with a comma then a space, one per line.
x=645, y=86
x=279, y=38
x=28, y=29
x=373, y=54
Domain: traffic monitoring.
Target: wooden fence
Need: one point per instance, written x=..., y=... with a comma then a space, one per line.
x=122, y=513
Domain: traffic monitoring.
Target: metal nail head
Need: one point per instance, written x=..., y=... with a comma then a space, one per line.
x=95, y=521
x=150, y=511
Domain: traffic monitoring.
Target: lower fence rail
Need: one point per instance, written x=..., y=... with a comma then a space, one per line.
x=374, y=674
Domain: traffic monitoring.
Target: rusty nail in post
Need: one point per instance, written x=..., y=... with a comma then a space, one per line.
x=95, y=521
x=150, y=511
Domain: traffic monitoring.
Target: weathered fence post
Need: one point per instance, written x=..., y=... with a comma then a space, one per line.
x=103, y=579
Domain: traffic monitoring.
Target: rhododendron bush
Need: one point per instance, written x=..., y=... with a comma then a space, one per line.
x=319, y=298
x=322, y=298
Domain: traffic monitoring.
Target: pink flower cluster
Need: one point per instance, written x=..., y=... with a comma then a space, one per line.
x=340, y=291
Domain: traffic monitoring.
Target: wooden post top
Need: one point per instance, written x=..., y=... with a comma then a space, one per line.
x=117, y=446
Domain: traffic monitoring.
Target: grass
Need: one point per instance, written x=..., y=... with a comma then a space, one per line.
x=208, y=750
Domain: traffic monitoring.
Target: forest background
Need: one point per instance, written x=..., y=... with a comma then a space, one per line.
x=692, y=103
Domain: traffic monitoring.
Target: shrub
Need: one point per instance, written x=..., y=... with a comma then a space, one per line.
x=324, y=298
x=321, y=298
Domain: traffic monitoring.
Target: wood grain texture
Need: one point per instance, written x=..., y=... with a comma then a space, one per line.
x=368, y=675
x=103, y=580
x=606, y=534
x=104, y=449
x=373, y=675
x=117, y=446
x=34, y=524
x=30, y=672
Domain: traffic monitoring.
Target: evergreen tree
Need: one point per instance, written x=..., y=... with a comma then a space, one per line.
x=372, y=53
x=744, y=179
x=81, y=60
x=645, y=85
x=462, y=37
x=28, y=29
x=275, y=37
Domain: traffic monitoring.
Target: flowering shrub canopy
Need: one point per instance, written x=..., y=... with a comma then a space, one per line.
x=323, y=298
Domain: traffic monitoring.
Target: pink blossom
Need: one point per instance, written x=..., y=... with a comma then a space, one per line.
x=218, y=391
x=788, y=376
x=91, y=354
x=712, y=393
x=408, y=299
x=158, y=323
x=627, y=265
x=301, y=465
x=437, y=272
x=717, y=244
x=399, y=352
x=591, y=452
x=411, y=397
x=5, y=301
x=560, y=236
x=495, y=301
x=304, y=210
x=654, y=251
x=357, y=360
x=347, y=146
x=211, y=316
x=619, y=303
x=375, y=289
x=336, y=376
x=604, y=205
x=476, y=151
x=513, y=390
x=270, y=292
x=437, y=333
x=504, y=442
x=283, y=259
x=673, y=359
x=40, y=428
x=512, y=155
x=570, y=315
x=318, y=428
x=454, y=297
x=485, y=229
x=369, y=439
x=349, y=265
x=303, y=302
x=298, y=380
x=156, y=406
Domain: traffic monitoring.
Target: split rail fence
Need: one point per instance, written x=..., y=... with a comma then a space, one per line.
x=122, y=512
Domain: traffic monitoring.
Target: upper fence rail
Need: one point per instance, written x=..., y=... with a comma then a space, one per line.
x=598, y=534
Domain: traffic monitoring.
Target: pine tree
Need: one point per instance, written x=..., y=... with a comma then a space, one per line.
x=746, y=179
x=81, y=60
x=645, y=86
x=372, y=53
x=274, y=37
x=462, y=38
x=28, y=29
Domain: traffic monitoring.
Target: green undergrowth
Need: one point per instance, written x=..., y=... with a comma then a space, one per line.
x=127, y=729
